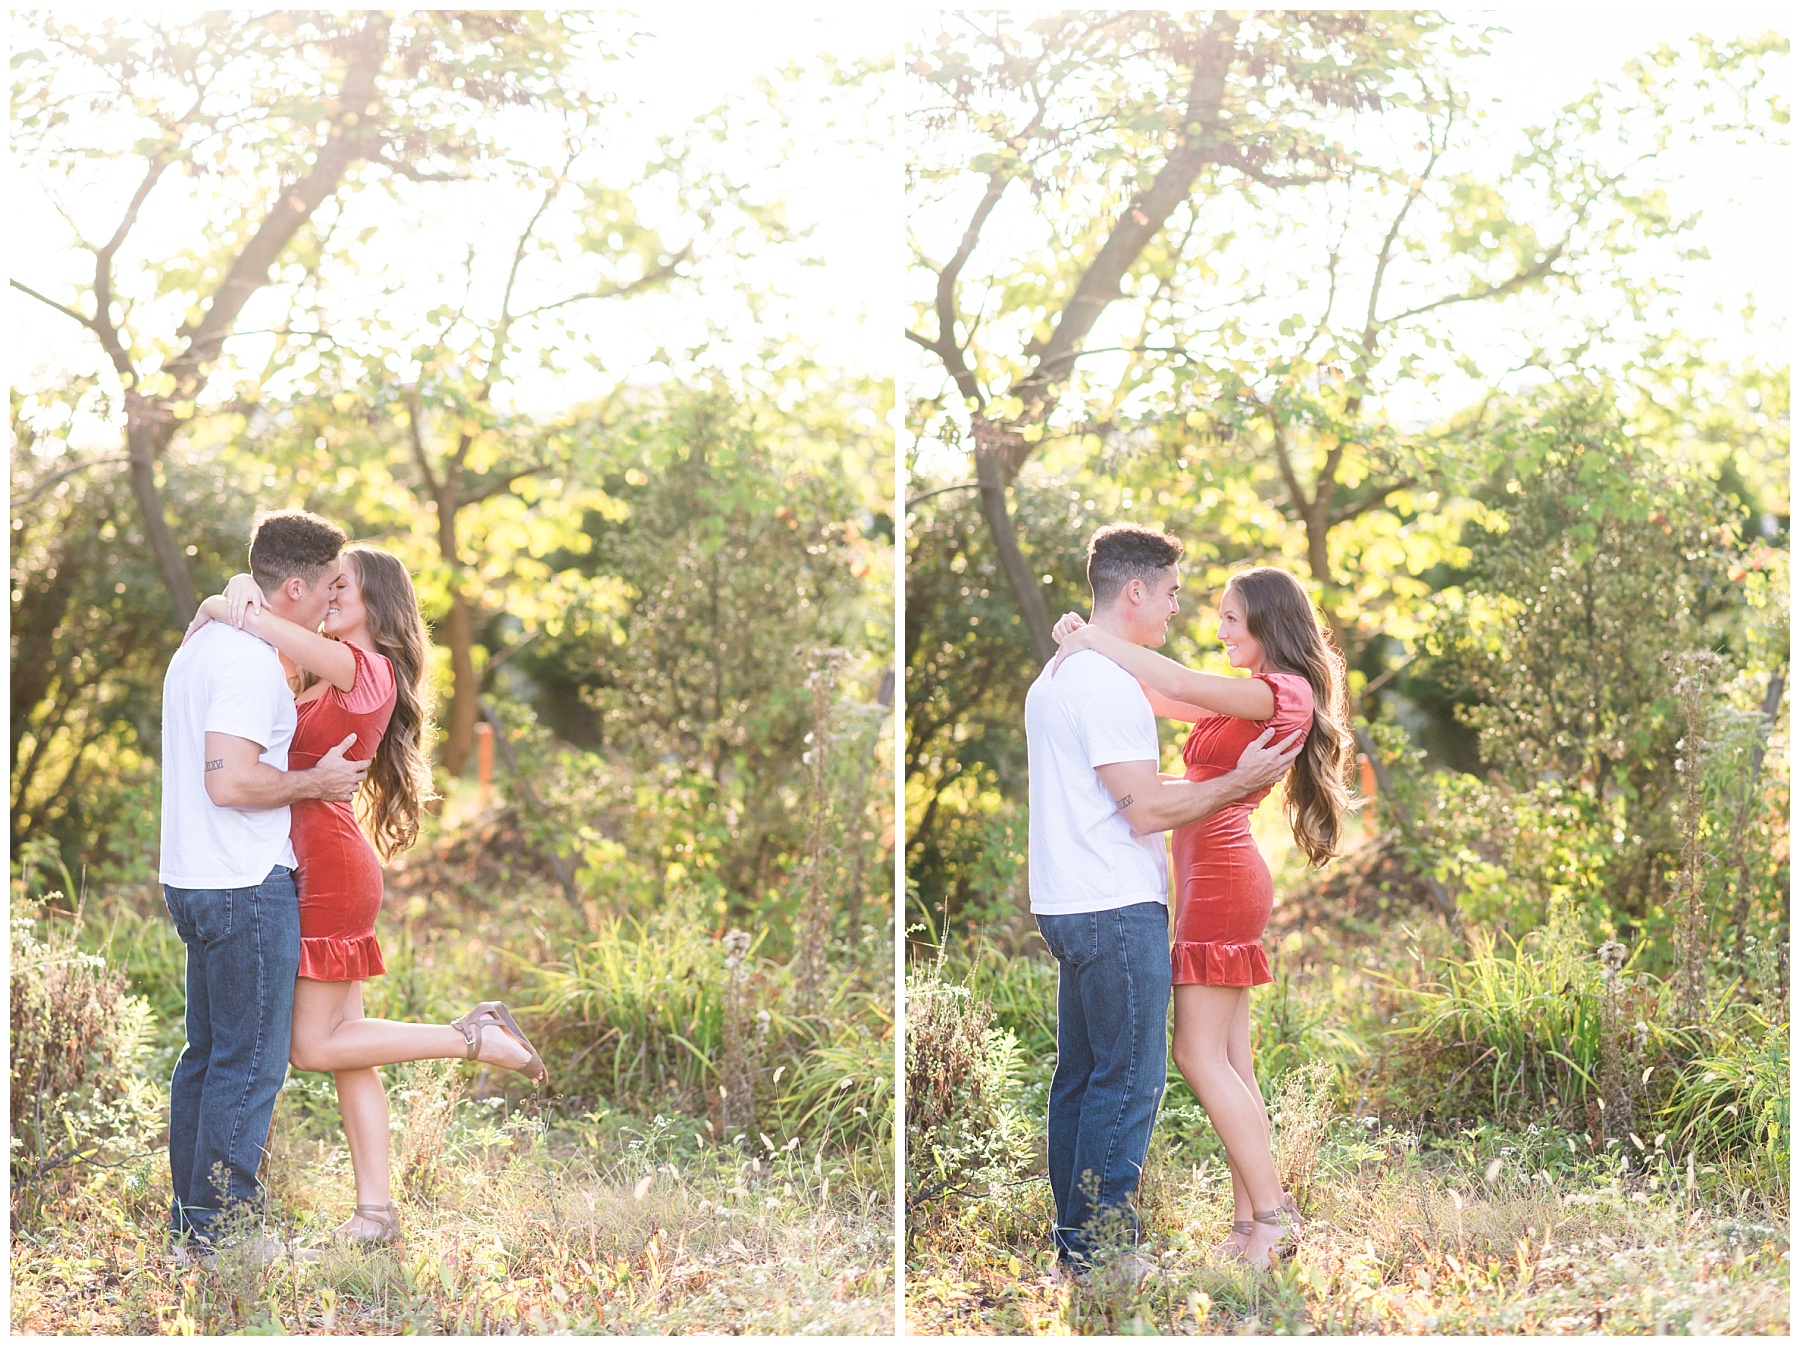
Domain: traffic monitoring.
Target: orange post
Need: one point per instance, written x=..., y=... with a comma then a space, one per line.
x=484, y=757
x=1368, y=789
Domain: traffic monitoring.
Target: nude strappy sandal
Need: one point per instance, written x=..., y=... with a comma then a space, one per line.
x=492, y=1014
x=386, y=1216
x=1225, y=1249
x=1290, y=1225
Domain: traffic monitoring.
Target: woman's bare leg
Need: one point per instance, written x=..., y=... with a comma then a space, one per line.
x=1240, y=1196
x=1239, y=1053
x=330, y=1033
x=1204, y=1017
x=363, y=1104
x=326, y=1037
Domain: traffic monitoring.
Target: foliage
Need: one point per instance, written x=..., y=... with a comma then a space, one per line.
x=1512, y=1032
x=90, y=637
x=965, y=1128
x=80, y=1094
x=1590, y=542
x=1732, y=1102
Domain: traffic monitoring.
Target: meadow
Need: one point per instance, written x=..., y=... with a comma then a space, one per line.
x=1430, y=1207
x=629, y=1199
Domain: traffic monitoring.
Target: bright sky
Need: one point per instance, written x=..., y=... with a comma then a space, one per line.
x=842, y=186
x=1548, y=58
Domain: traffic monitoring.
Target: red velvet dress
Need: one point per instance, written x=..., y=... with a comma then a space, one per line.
x=1224, y=886
x=339, y=875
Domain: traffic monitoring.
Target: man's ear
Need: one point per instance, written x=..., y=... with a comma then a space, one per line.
x=1134, y=591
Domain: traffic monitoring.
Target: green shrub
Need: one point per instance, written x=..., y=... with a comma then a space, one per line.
x=1510, y=1033
x=966, y=1129
x=82, y=1093
x=1732, y=1101
x=635, y=1016
x=636, y=1012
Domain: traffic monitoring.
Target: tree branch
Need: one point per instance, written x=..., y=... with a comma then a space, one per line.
x=63, y=309
x=37, y=491
x=417, y=436
x=352, y=126
x=500, y=485
x=1141, y=220
x=1368, y=503
x=945, y=347
x=644, y=282
x=913, y=501
x=1538, y=271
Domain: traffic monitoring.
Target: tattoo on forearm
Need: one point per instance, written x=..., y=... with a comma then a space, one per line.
x=215, y=764
x=1124, y=803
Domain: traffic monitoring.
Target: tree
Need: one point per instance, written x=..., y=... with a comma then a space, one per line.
x=1155, y=150
x=268, y=119
x=1116, y=120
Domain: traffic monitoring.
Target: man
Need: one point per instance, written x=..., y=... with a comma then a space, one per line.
x=228, y=873
x=1099, y=887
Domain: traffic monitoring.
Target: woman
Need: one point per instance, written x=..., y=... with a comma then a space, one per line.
x=1223, y=890
x=365, y=676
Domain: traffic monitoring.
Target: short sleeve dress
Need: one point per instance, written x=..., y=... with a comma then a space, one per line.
x=1225, y=890
x=339, y=875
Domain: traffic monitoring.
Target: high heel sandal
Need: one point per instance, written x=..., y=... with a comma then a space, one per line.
x=1224, y=1247
x=1290, y=1226
x=492, y=1014
x=386, y=1217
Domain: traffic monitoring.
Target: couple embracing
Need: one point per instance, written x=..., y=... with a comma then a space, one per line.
x=301, y=686
x=1099, y=873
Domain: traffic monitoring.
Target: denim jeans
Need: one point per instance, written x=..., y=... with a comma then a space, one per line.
x=1112, y=1052
x=243, y=953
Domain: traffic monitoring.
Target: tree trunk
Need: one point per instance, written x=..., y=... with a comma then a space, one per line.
x=998, y=457
x=145, y=439
x=990, y=451
x=457, y=634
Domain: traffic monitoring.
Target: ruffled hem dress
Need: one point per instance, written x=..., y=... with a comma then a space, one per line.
x=1223, y=885
x=339, y=874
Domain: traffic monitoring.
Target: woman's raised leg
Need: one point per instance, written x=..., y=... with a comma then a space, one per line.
x=326, y=1037
x=1204, y=1019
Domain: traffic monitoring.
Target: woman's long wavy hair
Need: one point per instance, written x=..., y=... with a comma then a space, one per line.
x=399, y=781
x=1283, y=620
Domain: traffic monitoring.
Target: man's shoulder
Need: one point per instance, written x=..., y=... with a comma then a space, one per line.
x=1091, y=673
x=220, y=648
x=1083, y=678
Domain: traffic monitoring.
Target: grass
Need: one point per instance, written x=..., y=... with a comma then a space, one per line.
x=621, y=1205
x=1403, y=1237
x=1425, y=1216
x=612, y=1224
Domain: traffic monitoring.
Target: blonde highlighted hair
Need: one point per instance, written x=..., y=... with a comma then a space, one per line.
x=1283, y=620
x=399, y=782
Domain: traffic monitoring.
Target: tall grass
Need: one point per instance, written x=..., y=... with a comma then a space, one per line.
x=636, y=1015
x=1511, y=1032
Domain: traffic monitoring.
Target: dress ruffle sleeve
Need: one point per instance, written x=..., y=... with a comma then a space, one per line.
x=1293, y=702
x=374, y=685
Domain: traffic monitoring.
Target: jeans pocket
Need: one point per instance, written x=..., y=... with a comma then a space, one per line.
x=1071, y=939
x=209, y=914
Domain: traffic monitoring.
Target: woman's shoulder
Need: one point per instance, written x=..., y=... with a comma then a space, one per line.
x=374, y=685
x=1293, y=697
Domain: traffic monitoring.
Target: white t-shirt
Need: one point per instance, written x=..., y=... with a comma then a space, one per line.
x=227, y=681
x=1083, y=854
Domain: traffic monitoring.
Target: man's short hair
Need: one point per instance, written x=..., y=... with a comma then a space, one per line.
x=290, y=542
x=1122, y=552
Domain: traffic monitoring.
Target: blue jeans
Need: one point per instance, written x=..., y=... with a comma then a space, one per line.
x=243, y=953
x=1112, y=1053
